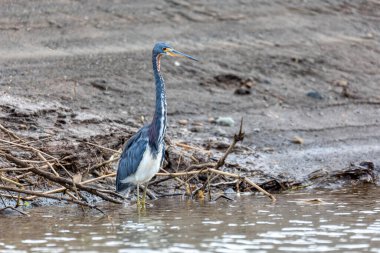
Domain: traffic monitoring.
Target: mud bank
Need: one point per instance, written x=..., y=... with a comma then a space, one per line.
x=304, y=75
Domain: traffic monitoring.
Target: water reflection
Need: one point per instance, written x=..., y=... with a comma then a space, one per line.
x=338, y=221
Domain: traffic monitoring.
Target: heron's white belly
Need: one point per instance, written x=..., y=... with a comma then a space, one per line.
x=148, y=166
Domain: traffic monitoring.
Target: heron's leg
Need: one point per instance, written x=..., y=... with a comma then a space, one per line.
x=144, y=194
x=138, y=196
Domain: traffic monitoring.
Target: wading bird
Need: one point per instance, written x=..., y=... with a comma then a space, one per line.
x=143, y=153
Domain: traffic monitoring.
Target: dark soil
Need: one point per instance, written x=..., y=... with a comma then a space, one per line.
x=81, y=70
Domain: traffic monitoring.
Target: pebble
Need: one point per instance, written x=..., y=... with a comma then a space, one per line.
x=242, y=91
x=315, y=95
x=221, y=145
x=229, y=191
x=225, y=121
x=182, y=121
x=341, y=83
x=196, y=129
x=297, y=140
x=211, y=120
x=220, y=132
x=197, y=123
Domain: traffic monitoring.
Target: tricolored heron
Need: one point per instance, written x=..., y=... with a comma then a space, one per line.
x=143, y=153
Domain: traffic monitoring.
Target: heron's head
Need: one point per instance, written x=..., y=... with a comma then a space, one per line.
x=162, y=48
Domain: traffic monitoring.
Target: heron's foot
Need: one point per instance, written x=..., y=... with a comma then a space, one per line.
x=143, y=203
x=143, y=200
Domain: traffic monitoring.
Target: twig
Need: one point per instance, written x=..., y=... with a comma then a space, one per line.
x=69, y=184
x=25, y=174
x=14, y=209
x=49, y=164
x=179, y=174
x=105, y=148
x=113, y=193
x=60, y=180
x=225, y=183
x=82, y=183
x=97, y=166
x=15, y=169
x=186, y=146
x=50, y=197
x=200, y=166
x=228, y=174
x=10, y=132
x=11, y=181
x=27, y=147
x=246, y=180
x=237, y=137
x=222, y=196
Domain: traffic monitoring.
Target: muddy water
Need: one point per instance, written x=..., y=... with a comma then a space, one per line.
x=335, y=221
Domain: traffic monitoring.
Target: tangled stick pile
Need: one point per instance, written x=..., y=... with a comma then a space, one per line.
x=82, y=172
x=36, y=173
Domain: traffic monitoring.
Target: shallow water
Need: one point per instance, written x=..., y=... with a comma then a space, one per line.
x=338, y=221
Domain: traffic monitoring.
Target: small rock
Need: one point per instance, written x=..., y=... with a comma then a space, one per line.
x=228, y=78
x=183, y=122
x=33, y=128
x=220, y=132
x=248, y=83
x=211, y=120
x=242, y=91
x=197, y=123
x=221, y=145
x=313, y=201
x=196, y=129
x=225, y=121
x=99, y=84
x=229, y=191
x=266, y=81
x=297, y=140
x=341, y=83
x=369, y=36
x=61, y=121
x=314, y=94
x=268, y=149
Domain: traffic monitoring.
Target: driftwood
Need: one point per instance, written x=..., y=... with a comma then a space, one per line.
x=39, y=167
x=26, y=178
x=50, y=197
x=205, y=169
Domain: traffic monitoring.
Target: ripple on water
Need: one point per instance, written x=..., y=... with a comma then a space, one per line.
x=42, y=250
x=300, y=222
x=33, y=241
x=215, y=222
x=61, y=238
x=220, y=227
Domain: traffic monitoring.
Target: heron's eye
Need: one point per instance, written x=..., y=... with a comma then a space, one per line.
x=165, y=49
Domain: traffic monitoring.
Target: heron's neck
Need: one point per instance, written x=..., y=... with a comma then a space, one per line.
x=158, y=126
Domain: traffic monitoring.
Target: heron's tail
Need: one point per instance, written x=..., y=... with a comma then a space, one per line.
x=123, y=187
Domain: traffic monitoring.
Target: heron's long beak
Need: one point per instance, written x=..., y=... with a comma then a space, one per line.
x=176, y=53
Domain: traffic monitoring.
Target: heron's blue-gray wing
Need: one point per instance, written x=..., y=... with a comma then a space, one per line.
x=163, y=154
x=130, y=159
